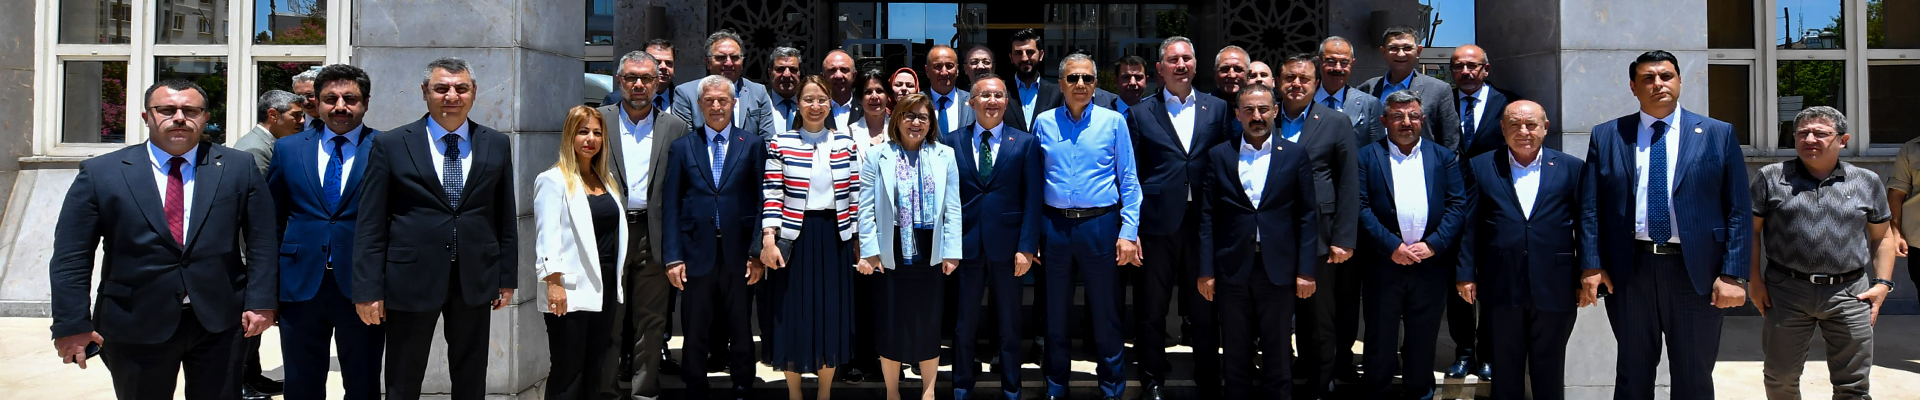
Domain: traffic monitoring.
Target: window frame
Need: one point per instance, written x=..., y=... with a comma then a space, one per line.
x=1858, y=58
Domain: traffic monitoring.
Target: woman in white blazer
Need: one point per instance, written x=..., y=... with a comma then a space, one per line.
x=876, y=102
x=910, y=234
x=580, y=247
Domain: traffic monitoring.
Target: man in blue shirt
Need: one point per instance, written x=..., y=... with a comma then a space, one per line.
x=1092, y=195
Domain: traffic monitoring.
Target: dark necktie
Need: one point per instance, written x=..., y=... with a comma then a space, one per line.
x=660, y=102
x=452, y=179
x=786, y=111
x=986, y=155
x=1466, y=119
x=1659, y=221
x=940, y=124
x=176, y=197
x=1333, y=103
x=332, y=184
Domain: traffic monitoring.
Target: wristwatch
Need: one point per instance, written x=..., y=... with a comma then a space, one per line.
x=1878, y=281
x=1736, y=280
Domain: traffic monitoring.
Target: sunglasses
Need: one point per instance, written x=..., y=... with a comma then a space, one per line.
x=1081, y=79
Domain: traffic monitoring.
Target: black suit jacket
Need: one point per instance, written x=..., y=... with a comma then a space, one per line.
x=1328, y=137
x=227, y=266
x=1525, y=260
x=1379, y=218
x=1486, y=135
x=1047, y=96
x=1284, y=222
x=405, y=230
x=1169, y=172
x=1001, y=212
x=691, y=201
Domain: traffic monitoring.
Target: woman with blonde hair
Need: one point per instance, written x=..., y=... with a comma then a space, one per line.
x=910, y=234
x=580, y=247
x=812, y=178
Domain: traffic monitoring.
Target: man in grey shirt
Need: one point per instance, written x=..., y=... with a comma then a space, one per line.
x=1829, y=226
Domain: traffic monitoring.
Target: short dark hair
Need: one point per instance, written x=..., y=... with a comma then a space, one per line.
x=1130, y=61
x=178, y=84
x=870, y=75
x=1398, y=31
x=1026, y=35
x=1308, y=58
x=1251, y=89
x=658, y=42
x=983, y=77
x=344, y=72
x=1652, y=57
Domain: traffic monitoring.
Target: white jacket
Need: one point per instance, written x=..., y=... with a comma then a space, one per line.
x=565, y=243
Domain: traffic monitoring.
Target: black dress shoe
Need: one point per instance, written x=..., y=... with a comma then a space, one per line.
x=669, y=366
x=266, y=386
x=1460, y=368
x=1485, y=372
x=1056, y=397
x=851, y=375
x=1151, y=391
x=247, y=393
x=625, y=370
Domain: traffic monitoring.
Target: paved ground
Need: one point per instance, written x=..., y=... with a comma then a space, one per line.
x=30, y=370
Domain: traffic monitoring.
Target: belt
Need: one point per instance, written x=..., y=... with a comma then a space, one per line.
x=636, y=213
x=1818, y=279
x=1080, y=213
x=1665, y=249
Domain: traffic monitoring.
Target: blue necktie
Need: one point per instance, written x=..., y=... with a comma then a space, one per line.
x=452, y=179
x=332, y=183
x=719, y=149
x=786, y=111
x=1333, y=103
x=1659, y=220
x=1467, y=120
x=660, y=102
x=940, y=125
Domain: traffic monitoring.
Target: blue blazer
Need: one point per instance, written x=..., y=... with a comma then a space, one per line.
x=1525, y=260
x=691, y=201
x=1486, y=135
x=1002, y=212
x=1446, y=202
x=312, y=233
x=1712, y=208
x=1168, y=172
x=1287, y=220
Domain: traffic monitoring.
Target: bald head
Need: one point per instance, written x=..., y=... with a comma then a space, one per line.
x=1470, y=68
x=1524, y=123
x=943, y=66
x=838, y=68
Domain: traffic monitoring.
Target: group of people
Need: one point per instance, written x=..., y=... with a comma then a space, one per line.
x=835, y=211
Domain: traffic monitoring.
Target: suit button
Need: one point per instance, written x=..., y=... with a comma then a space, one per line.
x=449, y=247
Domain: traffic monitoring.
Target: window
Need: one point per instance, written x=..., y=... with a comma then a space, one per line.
x=599, y=22
x=1805, y=84
x=290, y=21
x=1730, y=98
x=96, y=102
x=1892, y=95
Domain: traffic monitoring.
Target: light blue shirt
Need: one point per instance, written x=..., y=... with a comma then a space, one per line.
x=439, y=153
x=1391, y=87
x=1339, y=97
x=1029, y=93
x=1089, y=163
x=160, y=166
x=1290, y=124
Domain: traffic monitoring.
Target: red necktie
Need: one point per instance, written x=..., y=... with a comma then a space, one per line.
x=176, y=194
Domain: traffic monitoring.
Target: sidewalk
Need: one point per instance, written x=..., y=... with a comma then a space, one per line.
x=29, y=368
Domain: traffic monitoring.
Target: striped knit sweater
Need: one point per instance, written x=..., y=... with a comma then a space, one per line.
x=789, y=163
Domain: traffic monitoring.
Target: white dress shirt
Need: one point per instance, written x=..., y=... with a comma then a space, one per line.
x=1526, y=181
x=1479, y=105
x=1253, y=172
x=161, y=163
x=439, y=153
x=1641, y=150
x=993, y=143
x=820, y=184
x=636, y=144
x=347, y=152
x=841, y=113
x=1409, y=192
x=1181, y=113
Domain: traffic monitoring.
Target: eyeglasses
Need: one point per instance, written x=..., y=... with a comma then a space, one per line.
x=916, y=117
x=980, y=62
x=1469, y=66
x=459, y=89
x=348, y=100
x=1081, y=79
x=786, y=69
x=1401, y=49
x=640, y=79
x=189, y=112
x=725, y=58
x=994, y=95
x=1820, y=135
x=1336, y=62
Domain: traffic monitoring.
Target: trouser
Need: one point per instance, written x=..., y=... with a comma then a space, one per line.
x=1464, y=325
x=721, y=300
x=1084, y=248
x=582, y=347
x=150, y=371
x=307, y=327
x=1836, y=313
x=410, y=341
x=645, y=310
x=1657, y=301
x=1171, y=262
x=1317, y=326
x=976, y=277
x=1413, y=295
x=1528, y=343
x=1257, y=311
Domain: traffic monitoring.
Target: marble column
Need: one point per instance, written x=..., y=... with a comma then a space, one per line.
x=685, y=24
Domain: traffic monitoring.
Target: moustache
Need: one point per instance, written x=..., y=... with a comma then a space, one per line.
x=1337, y=73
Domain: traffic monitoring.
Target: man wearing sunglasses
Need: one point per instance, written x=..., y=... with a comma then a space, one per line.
x=1092, y=197
x=726, y=56
x=1402, y=52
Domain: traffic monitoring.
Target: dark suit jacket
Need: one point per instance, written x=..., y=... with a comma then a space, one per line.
x=1446, y=204
x=405, y=228
x=1525, y=260
x=1328, y=139
x=1712, y=209
x=227, y=265
x=960, y=98
x=1002, y=212
x=691, y=201
x=666, y=129
x=1486, y=135
x=1285, y=221
x=1104, y=98
x=1047, y=96
x=1168, y=172
x=313, y=233
x=1443, y=117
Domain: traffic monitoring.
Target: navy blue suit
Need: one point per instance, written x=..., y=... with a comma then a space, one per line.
x=1526, y=266
x=1666, y=295
x=1170, y=173
x=1254, y=251
x=1001, y=216
x=1486, y=135
x=708, y=228
x=1414, y=293
x=316, y=269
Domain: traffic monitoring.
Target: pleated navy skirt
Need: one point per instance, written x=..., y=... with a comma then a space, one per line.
x=813, y=299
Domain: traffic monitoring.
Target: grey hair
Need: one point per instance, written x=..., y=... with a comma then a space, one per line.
x=1404, y=96
x=1322, y=50
x=453, y=65
x=781, y=52
x=1815, y=113
x=1079, y=57
x=639, y=56
x=723, y=34
x=1161, y=53
x=712, y=81
x=279, y=101
x=307, y=77
x=1217, y=57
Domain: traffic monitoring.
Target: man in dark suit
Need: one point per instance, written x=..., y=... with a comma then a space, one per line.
x=1412, y=203
x=637, y=155
x=1401, y=48
x=1679, y=264
x=949, y=101
x=1130, y=78
x=1480, y=106
x=1171, y=134
x=726, y=56
x=187, y=229
x=1259, y=245
x=1000, y=193
x=1325, y=138
x=1031, y=95
x=1336, y=65
x=436, y=236
x=711, y=200
x=1527, y=239
x=315, y=182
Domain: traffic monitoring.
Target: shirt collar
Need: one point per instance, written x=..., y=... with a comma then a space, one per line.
x=1320, y=95
x=977, y=129
x=435, y=133
x=1673, y=120
x=1296, y=118
x=1798, y=167
x=1395, y=148
x=1404, y=83
x=353, y=136
x=937, y=95
x=161, y=157
x=1248, y=147
x=628, y=119
x=1172, y=99
x=1479, y=96
x=720, y=133
x=1515, y=161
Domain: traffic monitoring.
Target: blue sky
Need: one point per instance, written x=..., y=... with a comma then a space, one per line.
x=260, y=11
x=1807, y=14
x=910, y=21
x=1457, y=18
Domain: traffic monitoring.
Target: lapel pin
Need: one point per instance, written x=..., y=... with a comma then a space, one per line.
x=216, y=163
x=1697, y=131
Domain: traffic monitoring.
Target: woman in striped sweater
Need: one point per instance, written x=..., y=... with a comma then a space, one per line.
x=812, y=184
